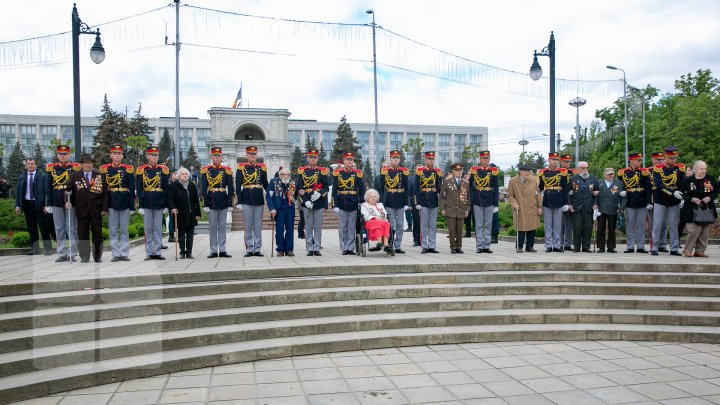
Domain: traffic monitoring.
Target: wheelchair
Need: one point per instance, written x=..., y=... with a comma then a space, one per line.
x=362, y=241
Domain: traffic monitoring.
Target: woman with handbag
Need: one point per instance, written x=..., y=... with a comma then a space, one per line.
x=699, y=190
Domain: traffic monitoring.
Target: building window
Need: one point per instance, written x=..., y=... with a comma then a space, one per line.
x=88, y=139
x=203, y=135
x=313, y=136
x=475, y=140
x=49, y=133
x=429, y=141
x=444, y=143
x=379, y=148
x=294, y=138
x=7, y=135
x=328, y=139
x=363, y=138
x=28, y=139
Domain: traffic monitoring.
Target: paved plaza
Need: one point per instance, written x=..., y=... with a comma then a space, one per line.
x=516, y=373
x=523, y=373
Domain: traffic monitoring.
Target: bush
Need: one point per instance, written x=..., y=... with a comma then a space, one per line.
x=9, y=221
x=105, y=234
x=21, y=240
x=136, y=230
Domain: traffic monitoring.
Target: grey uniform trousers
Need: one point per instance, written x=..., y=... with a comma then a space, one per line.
x=217, y=220
x=669, y=218
x=65, y=243
x=635, y=227
x=252, y=216
x=428, y=227
x=118, y=221
x=313, y=229
x=346, y=229
x=152, y=220
x=396, y=216
x=483, y=226
x=553, y=227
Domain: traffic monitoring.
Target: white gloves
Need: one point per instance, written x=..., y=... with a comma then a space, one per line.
x=596, y=214
x=571, y=192
x=565, y=208
x=239, y=207
x=682, y=202
x=623, y=193
x=315, y=196
x=229, y=208
x=417, y=207
x=48, y=209
x=309, y=204
x=495, y=209
x=141, y=211
x=405, y=208
x=336, y=210
x=206, y=209
x=678, y=195
x=132, y=212
x=649, y=206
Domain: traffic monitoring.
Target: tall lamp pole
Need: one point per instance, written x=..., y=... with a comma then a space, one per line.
x=577, y=102
x=371, y=153
x=97, y=54
x=625, y=102
x=176, y=159
x=536, y=73
x=642, y=105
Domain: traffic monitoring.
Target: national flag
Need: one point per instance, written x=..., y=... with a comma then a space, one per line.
x=238, y=99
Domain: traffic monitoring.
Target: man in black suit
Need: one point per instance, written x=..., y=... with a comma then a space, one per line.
x=31, y=201
x=89, y=198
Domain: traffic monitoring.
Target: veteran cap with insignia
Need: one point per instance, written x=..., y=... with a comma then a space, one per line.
x=671, y=151
x=457, y=166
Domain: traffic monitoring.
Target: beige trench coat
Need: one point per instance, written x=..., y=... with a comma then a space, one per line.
x=527, y=198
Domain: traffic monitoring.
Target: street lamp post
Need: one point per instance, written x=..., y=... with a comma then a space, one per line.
x=371, y=152
x=97, y=54
x=625, y=102
x=577, y=102
x=642, y=105
x=536, y=73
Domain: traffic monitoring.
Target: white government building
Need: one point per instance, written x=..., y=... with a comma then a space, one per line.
x=271, y=130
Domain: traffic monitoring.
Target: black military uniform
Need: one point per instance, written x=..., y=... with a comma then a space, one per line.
x=637, y=199
x=667, y=178
x=394, y=190
x=426, y=192
x=348, y=189
x=554, y=185
x=313, y=180
x=120, y=181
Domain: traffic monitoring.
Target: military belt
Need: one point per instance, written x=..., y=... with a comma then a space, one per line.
x=347, y=192
x=428, y=189
x=630, y=190
x=116, y=189
x=553, y=188
x=252, y=186
x=60, y=187
x=152, y=189
x=484, y=189
x=395, y=190
x=214, y=189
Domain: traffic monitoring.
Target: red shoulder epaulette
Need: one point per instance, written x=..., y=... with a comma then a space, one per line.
x=228, y=170
x=419, y=170
x=540, y=172
x=129, y=169
x=359, y=173
x=563, y=171
x=622, y=171
x=50, y=167
x=439, y=172
x=301, y=169
x=495, y=171
x=384, y=171
x=658, y=168
x=241, y=165
x=140, y=169
x=473, y=170
x=645, y=171
x=681, y=167
x=405, y=170
x=323, y=170
x=262, y=166
x=75, y=166
x=336, y=172
x=103, y=168
x=165, y=169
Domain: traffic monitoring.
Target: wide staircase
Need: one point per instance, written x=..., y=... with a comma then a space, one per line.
x=67, y=335
x=330, y=220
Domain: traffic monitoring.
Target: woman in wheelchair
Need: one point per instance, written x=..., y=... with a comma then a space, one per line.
x=375, y=217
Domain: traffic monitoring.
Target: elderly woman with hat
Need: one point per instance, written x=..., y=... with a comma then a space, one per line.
x=526, y=201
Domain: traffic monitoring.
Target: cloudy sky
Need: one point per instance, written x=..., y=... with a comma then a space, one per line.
x=323, y=71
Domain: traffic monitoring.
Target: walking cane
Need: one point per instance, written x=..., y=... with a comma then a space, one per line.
x=176, y=235
x=68, y=233
x=594, y=238
x=272, y=237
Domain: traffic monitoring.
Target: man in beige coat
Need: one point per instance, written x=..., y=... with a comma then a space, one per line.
x=455, y=205
x=526, y=201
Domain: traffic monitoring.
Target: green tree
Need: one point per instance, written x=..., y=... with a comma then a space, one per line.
x=322, y=158
x=111, y=130
x=297, y=160
x=413, y=148
x=3, y=173
x=16, y=163
x=166, y=147
x=38, y=155
x=54, y=143
x=368, y=175
x=135, y=151
x=469, y=154
x=192, y=158
x=345, y=141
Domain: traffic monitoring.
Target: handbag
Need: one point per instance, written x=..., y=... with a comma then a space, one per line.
x=703, y=216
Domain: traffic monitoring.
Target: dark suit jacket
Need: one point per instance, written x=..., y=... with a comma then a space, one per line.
x=609, y=200
x=88, y=199
x=40, y=189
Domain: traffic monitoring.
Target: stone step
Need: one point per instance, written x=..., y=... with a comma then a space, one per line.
x=80, y=375
x=685, y=312
x=25, y=361
x=702, y=284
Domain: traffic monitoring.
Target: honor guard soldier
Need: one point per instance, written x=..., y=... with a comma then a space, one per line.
x=668, y=177
x=656, y=158
x=64, y=219
x=394, y=192
x=427, y=189
x=348, y=187
x=484, y=195
x=217, y=190
x=567, y=225
x=151, y=182
x=312, y=187
x=120, y=181
x=638, y=200
x=250, y=184
x=89, y=198
x=553, y=181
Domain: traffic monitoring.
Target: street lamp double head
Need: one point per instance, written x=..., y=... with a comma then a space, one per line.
x=536, y=74
x=625, y=123
x=577, y=102
x=97, y=54
x=371, y=152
